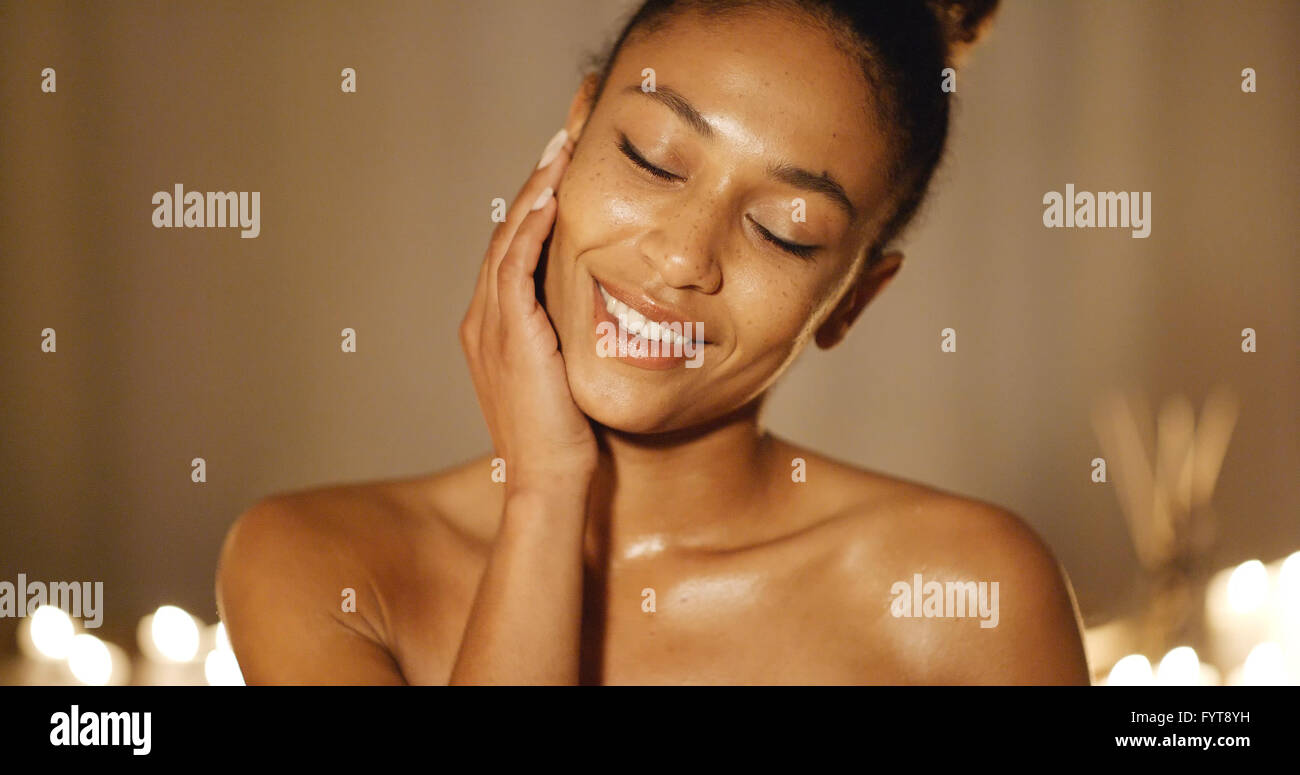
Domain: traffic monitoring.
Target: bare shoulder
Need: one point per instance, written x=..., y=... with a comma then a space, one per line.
x=295, y=591
x=960, y=590
x=310, y=582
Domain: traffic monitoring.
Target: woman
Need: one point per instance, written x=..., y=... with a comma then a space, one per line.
x=737, y=167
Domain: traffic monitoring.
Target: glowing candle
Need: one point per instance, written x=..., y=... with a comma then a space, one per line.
x=45, y=639
x=220, y=666
x=1132, y=670
x=1180, y=667
x=1239, y=611
x=1263, y=667
x=1288, y=604
x=170, y=638
x=96, y=663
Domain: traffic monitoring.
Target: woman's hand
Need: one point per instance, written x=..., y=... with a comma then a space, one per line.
x=525, y=624
x=513, y=351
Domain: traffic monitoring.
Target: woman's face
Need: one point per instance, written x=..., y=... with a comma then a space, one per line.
x=748, y=114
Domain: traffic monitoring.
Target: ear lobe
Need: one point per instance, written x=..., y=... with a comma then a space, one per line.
x=872, y=281
x=833, y=329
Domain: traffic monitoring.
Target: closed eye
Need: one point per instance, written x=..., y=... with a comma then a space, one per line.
x=625, y=146
x=802, y=251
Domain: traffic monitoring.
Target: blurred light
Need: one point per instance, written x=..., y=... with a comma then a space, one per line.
x=1264, y=666
x=1210, y=675
x=89, y=660
x=221, y=669
x=1106, y=643
x=1133, y=670
x=223, y=640
x=1248, y=587
x=1289, y=582
x=174, y=634
x=51, y=632
x=1180, y=667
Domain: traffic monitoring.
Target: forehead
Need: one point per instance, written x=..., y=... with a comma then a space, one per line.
x=774, y=86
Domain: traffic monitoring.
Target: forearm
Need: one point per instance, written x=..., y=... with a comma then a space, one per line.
x=525, y=624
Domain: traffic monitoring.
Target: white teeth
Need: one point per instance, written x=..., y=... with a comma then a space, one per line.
x=636, y=324
x=635, y=321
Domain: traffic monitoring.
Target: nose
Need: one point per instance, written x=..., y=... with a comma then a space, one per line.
x=682, y=251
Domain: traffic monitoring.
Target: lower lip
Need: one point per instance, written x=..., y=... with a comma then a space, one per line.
x=660, y=363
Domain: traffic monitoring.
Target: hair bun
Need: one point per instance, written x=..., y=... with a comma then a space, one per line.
x=963, y=23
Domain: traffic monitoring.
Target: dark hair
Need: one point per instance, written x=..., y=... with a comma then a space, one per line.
x=902, y=46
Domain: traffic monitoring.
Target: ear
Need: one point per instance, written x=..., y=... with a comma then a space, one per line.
x=863, y=290
x=580, y=108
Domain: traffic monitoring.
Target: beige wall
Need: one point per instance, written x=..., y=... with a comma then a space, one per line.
x=181, y=343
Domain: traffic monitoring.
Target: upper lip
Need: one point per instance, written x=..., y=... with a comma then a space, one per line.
x=653, y=310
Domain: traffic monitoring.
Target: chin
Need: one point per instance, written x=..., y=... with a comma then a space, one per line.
x=621, y=402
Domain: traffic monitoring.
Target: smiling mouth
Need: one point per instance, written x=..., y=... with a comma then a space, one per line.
x=624, y=332
x=640, y=320
x=636, y=324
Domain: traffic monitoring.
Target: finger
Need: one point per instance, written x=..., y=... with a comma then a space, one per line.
x=547, y=177
x=555, y=154
x=542, y=178
x=515, y=287
x=472, y=324
x=547, y=172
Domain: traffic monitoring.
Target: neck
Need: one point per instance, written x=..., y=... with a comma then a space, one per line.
x=696, y=485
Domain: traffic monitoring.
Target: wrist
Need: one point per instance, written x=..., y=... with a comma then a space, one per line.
x=564, y=480
x=529, y=509
x=550, y=492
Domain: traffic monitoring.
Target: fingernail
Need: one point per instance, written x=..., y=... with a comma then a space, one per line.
x=543, y=198
x=553, y=148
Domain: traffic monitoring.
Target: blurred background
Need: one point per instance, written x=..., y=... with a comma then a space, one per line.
x=1074, y=344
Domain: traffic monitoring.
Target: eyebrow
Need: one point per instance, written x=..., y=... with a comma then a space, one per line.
x=784, y=172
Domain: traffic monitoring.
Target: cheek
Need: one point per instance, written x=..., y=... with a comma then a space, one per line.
x=593, y=214
x=772, y=308
x=596, y=201
x=583, y=225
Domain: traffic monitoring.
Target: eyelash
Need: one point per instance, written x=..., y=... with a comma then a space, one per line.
x=800, y=251
x=625, y=146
